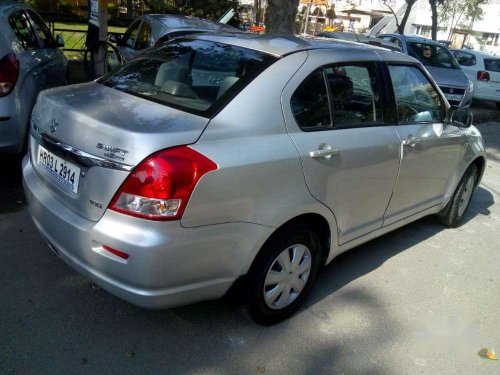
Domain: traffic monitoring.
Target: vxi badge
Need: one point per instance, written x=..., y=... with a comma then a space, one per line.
x=111, y=152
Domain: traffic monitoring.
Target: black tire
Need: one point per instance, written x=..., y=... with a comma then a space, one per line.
x=450, y=216
x=298, y=233
x=498, y=105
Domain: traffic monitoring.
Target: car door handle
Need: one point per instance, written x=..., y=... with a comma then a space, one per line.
x=325, y=153
x=410, y=142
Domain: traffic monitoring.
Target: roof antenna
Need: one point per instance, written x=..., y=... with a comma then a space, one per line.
x=356, y=35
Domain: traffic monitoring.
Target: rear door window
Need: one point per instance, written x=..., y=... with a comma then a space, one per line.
x=417, y=100
x=21, y=26
x=194, y=75
x=355, y=100
x=310, y=104
x=144, y=37
x=42, y=31
x=493, y=65
x=131, y=34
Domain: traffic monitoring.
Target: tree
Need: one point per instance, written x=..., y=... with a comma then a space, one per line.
x=400, y=25
x=434, y=16
x=460, y=14
x=280, y=16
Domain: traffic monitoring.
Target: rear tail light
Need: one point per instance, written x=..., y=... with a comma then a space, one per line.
x=483, y=76
x=9, y=72
x=160, y=186
x=161, y=40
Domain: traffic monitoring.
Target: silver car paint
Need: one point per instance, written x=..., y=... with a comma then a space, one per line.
x=263, y=180
x=132, y=124
x=39, y=69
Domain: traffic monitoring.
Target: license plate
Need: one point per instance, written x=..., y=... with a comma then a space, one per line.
x=63, y=172
x=454, y=97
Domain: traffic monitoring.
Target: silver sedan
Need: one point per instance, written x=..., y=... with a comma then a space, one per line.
x=259, y=159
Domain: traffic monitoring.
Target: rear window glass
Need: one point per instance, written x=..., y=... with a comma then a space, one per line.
x=432, y=55
x=493, y=65
x=194, y=75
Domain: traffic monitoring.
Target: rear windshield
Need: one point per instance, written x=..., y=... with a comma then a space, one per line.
x=432, y=55
x=193, y=75
x=493, y=65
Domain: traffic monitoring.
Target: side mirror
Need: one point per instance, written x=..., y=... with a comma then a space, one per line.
x=113, y=38
x=459, y=117
x=59, y=40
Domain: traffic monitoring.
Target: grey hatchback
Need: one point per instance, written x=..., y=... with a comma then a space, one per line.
x=255, y=158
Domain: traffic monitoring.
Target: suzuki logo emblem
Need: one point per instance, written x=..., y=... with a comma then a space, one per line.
x=54, y=126
x=452, y=91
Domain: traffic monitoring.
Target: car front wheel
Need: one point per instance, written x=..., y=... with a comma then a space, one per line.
x=453, y=213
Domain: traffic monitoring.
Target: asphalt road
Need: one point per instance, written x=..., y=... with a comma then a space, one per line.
x=420, y=300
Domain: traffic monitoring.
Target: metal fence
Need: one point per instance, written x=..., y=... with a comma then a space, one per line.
x=74, y=39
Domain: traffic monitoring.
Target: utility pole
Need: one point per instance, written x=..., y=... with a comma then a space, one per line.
x=308, y=10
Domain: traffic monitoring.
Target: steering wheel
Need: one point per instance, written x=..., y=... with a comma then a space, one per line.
x=90, y=62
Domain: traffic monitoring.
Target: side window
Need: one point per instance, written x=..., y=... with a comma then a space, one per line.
x=398, y=42
x=354, y=96
x=310, y=103
x=131, y=34
x=22, y=28
x=41, y=29
x=493, y=65
x=144, y=38
x=416, y=99
x=465, y=58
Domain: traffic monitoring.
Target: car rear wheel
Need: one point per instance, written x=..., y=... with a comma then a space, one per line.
x=453, y=213
x=283, y=273
x=498, y=105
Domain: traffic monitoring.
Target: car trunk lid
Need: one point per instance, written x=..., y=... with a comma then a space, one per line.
x=104, y=133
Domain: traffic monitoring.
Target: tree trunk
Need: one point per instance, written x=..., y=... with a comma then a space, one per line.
x=434, y=17
x=280, y=17
x=402, y=25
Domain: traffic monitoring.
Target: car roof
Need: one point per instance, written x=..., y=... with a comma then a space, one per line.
x=281, y=45
x=179, y=22
x=5, y=5
x=417, y=39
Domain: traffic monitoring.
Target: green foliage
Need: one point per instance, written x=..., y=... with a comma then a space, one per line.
x=460, y=14
x=210, y=9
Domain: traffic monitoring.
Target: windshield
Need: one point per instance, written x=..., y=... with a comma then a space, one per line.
x=432, y=55
x=193, y=75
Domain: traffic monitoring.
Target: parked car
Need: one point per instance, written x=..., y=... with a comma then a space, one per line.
x=30, y=61
x=214, y=159
x=484, y=71
x=360, y=38
x=439, y=61
x=149, y=30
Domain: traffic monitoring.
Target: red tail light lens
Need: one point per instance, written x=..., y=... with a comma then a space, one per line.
x=483, y=76
x=161, y=40
x=160, y=186
x=9, y=72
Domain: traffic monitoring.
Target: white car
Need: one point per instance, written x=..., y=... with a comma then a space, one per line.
x=484, y=71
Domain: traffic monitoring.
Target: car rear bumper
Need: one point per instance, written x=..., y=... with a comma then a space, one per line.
x=492, y=98
x=168, y=265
